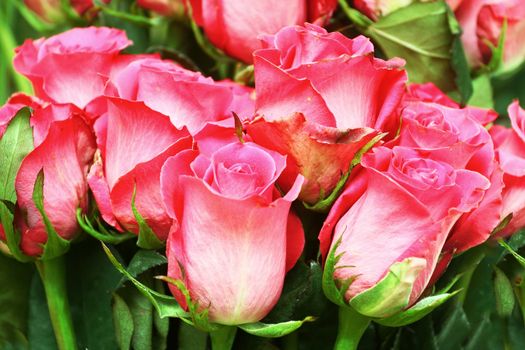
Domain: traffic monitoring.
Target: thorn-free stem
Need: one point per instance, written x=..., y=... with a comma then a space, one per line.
x=222, y=338
x=352, y=326
x=53, y=275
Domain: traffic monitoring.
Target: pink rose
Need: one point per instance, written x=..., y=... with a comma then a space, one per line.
x=482, y=23
x=510, y=151
x=71, y=67
x=380, y=247
x=64, y=148
x=234, y=26
x=321, y=97
x=133, y=144
x=456, y=136
x=235, y=236
x=187, y=97
x=379, y=8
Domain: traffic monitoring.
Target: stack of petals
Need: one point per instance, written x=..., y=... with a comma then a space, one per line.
x=156, y=144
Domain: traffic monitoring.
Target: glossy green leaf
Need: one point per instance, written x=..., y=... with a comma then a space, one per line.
x=274, y=330
x=421, y=34
x=15, y=144
x=123, y=320
x=504, y=293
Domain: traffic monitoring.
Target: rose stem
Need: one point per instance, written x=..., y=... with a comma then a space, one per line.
x=352, y=325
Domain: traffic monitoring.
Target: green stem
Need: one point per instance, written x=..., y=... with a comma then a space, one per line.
x=53, y=274
x=464, y=282
x=222, y=339
x=352, y=326
x=7, y=52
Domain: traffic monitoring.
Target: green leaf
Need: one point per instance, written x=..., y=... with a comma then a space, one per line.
x=147, y=238
x=324, y=204
x=165, y=305
x=518, y=257
x=15, y=144
x=482, y=92
x=456, y=328
x=14, y=301
x=144, y=260
x=421, y=34
x=458, y=60
x=102, y=234
x=55, y=245
x=123, y=321
x=190, y=338
x=417, y=311
x=504, y=293
x=274, y=330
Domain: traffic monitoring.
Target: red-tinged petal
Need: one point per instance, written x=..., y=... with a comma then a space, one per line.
x=354, y=189
x=64, y=156
x=187, y=103
x=320, y=10
x=214, y=136
x=171, y=192
x=513, y=202
x=347, y=84
x=99, y=187
x=135, y=134
x=279, y=94
x=144, y=178
x=517, y=119
x=294, y=240
x=320, y=154
x=475, y=227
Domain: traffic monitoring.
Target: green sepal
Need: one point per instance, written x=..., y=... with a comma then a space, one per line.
x=496, y=61
x=135, y=19
x=165, y=305
x=334, y=293
x=274, y=330
x=199, y=315
x=390, y=295
x=360, y=20
x=55, y=245
x=324, y=204
x=102, y=234
x=502, y=224
x=147, y=238
x=15, y=145
x=11, y=234
x=417, y=311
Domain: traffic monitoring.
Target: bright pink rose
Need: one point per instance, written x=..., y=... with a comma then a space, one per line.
x=482, y=23
x=71, y=67
x=321, y=97
x=163, y=7
x=234, y=26
x=13, y=105
x=133, y=144
x=187, y=97
x=510, y=150
x=235, y=236
x=455, y=136
x=64, y=148
x=391, y=225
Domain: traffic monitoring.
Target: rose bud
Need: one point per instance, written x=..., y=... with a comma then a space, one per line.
x=482, y=24
x=71, y=67
x=321, y=98
x=389, y=226
x=188, y=98
x=53, y=11
x=63, y=149
x=375, y=9
x=163, y=7
x=234, y=26
x=456, y=136
x=510, y=151
x=234, y=237
x=133, y=143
